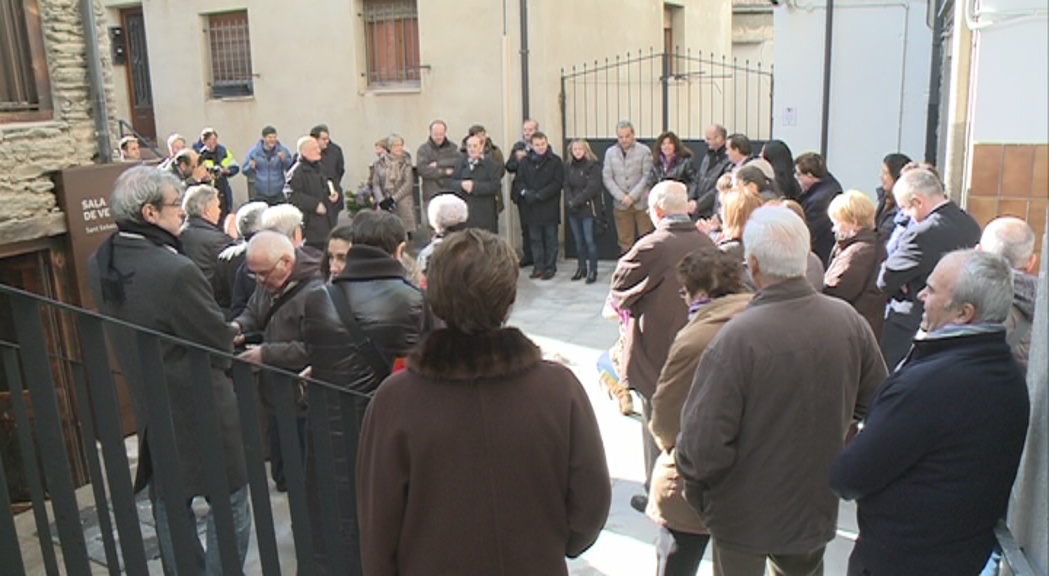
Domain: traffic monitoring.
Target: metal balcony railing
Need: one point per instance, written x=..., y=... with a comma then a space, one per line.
x=27, y=364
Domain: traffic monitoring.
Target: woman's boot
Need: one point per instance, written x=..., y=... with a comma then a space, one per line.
x=579, y=273
x=591, y=276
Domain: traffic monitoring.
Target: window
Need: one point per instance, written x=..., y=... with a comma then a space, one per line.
x=230, y=47
x=391, y=32
x=25, y=91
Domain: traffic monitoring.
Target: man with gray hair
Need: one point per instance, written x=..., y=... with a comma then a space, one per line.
x=937, y=227
x=138, y=276
x=284, y=278
x=316, y=196
x=202, y=239
x=645, y=284
x=625, y=174
x=285, y=219
x=773, y=398
x=1013, y=239
x=234, y=277
x=934, y=465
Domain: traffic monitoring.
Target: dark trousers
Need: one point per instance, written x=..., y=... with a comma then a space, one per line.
x=896, y=341
x=276, y=455
x=648, y=442
x=526, y=242
x=679, y=553
x=856, y=567
x=544, y=246
x=585, y=245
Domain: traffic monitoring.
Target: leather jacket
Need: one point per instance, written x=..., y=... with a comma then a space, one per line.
x=682, y=170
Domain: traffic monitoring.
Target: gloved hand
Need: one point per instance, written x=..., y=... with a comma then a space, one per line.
x=531, y=196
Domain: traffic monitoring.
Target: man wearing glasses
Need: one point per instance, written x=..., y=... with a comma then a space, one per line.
x=139, y=276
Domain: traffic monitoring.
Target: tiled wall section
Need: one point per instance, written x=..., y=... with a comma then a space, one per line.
x=1010, y=180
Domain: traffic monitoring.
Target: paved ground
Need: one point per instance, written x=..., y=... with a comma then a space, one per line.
x=564, y=318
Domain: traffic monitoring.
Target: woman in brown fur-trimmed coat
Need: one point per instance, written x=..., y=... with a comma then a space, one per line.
x=481, y=458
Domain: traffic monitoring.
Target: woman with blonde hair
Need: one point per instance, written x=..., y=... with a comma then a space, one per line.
x=392, y=180
x=583, y=205
x=852, y=274
x=736, y=207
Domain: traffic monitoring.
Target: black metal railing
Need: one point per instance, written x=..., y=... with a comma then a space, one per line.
x=682, y=91
x=27, y=365
x=143, y=142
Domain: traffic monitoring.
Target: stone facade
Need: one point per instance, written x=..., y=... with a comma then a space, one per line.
x=31, y=151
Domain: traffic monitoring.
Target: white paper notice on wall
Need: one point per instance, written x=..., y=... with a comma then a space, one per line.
x=790, y=116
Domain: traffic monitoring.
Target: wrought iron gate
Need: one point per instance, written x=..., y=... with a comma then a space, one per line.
x=660, y=91
x=657, y=92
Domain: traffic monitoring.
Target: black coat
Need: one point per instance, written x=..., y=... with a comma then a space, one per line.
x=815, y=202
x=202, y=242
x=333, y=164
x=682, y=170
x=540, y=181
x=885, y=217
x=170, y=295
x=583, y=187
x=934, y=465
x=394, y=315
x=227, y=269
x=920, y=247
x=481, y=201
x=714, y=164
x=307, y=187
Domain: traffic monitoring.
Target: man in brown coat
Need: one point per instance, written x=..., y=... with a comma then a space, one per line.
x=772, y=400
x=645, y=283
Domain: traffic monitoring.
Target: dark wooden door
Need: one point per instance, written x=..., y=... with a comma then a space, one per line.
x=140, y=90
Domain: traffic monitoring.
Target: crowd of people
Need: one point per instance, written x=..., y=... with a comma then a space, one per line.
x=790, y=344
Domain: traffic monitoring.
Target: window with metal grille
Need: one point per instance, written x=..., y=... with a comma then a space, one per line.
x=391, y=32
x=230, y=47
x=25, y=91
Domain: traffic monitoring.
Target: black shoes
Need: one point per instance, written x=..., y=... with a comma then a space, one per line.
x=591, y=276
x=548, y=275
x=535, y=274
x=579, y=273
x=639, y=502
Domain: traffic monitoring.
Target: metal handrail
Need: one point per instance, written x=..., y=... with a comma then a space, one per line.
x=233, y=358
x=1012, y=554
x=126, y=129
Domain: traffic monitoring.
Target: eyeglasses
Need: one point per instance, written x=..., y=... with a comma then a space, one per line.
x=261, y=276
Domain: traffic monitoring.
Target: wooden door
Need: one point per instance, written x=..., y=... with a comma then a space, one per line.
x=139, y=87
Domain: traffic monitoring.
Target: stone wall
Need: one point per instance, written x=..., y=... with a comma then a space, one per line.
x=31, y=151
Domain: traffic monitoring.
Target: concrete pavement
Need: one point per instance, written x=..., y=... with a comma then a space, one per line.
x=564, y=318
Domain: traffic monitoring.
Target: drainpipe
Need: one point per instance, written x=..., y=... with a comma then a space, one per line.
x=524, y=61
x=96, y=81
x=827, y=37
x=932, y=119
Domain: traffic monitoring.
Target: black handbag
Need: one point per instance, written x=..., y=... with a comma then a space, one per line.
x=388, y=204
x=600, y=224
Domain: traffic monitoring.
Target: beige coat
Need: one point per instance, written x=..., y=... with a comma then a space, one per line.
x=666, y=502
x=773, y=398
